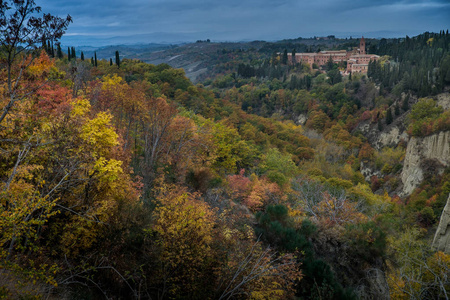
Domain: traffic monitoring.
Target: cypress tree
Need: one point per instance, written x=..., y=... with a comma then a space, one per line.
x=285, y=57
x=380, y=125
x=82, y=56
x=397, y=109
x=389, y=117
x=330, y=64
x=405, y=105
x=68, y=53
x=44, y=44
x=92, y=61
x=74, y=55
x=59, y=51
x=110, y=61
x=95, y=59
x=293, y=56
x=117, y=59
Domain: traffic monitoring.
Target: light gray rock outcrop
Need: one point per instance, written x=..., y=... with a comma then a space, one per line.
x=301, y=119
x=434, y=147
x=441, y=241
x=368, y=172
x=392, y=137
x=444, y=100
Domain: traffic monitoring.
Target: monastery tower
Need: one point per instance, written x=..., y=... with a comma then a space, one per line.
x=362, y=46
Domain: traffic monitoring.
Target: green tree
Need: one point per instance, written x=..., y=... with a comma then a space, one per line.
x=293, y=56
x=49, y=49
x=278, y=167
x=380, y=125
x=285, y=57
x=59, y=53
x=330, y=64
x=405, y=105
x=389, y=117
x=95, y=59
x=334, y=76
x=425, y=108
x=82, y=56
x=117, y=59
x=425, y=116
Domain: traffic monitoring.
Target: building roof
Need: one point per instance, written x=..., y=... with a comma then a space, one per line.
x=364, y=55
x=334, y=51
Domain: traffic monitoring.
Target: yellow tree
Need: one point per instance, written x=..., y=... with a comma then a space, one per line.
x=184, y=229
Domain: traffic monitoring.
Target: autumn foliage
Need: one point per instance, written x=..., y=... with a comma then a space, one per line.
x=134, y=183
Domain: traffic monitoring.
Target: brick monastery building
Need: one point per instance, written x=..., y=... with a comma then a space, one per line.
x=357, y=60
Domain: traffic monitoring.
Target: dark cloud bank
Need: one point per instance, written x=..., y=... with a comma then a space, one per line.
x=170, y=21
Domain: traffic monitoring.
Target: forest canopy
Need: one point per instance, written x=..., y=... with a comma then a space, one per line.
x=126, y=180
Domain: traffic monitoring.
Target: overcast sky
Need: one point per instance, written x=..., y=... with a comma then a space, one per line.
x=236, y=20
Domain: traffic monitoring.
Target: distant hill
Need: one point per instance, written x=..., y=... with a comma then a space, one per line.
x=204, y=59
x=125, y=51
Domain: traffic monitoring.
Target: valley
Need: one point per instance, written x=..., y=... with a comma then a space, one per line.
x=222, y=170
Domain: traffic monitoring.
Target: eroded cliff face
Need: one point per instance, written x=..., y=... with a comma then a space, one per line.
x=391, y=137
x=441, y=240
x=431, y=153
x=444, y=100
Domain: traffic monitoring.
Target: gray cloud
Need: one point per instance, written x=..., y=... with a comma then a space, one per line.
x=250, y=19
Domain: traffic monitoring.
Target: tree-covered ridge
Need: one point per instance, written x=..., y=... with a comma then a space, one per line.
x=420, y=65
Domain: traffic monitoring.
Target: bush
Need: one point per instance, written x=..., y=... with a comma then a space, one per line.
x=426, y=118
x=277, y=178
x=368, y=240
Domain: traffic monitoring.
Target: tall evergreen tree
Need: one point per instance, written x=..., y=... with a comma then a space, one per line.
x=92, y=61
x=405, y=105
x=95, y=59
x=274, y=58
x=110, y=62
x=44, y=44
x=117, y=59
x=74, y=55
x=380, y=125
x=82, y=56
x=397, y=109
x=389, y=117
x=293, y=56
x=330, y=64
x=69, y=56
x=59, y=51
x=284, y=60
